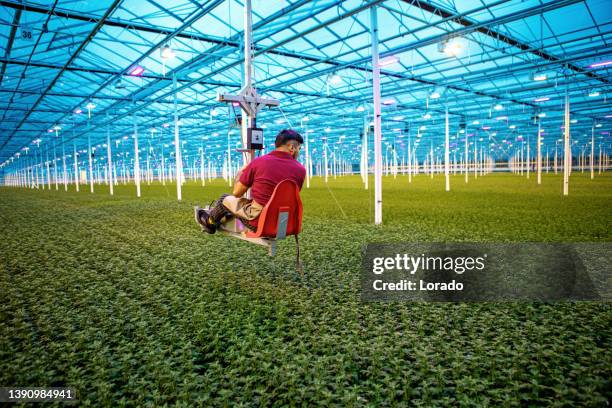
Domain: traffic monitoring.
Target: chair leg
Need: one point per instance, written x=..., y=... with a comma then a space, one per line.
x=298, y=263
x=272, y=248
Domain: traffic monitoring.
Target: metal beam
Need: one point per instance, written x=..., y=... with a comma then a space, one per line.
x=238, y=62
x=503, y=37
x=9, y=44
x=93, y=32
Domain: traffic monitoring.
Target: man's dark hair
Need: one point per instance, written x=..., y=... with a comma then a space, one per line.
x=286, y=135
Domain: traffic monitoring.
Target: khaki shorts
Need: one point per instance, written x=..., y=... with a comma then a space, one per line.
x=242, y=207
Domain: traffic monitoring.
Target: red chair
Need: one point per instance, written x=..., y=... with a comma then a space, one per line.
x=282, y=216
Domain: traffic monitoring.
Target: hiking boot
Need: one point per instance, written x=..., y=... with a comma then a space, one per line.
x=202, y=217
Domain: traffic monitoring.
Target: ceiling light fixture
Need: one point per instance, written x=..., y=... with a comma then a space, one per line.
x=335, y=79
x=136, y=70
x=539, y=76
x=453, y=47
x=390, y=60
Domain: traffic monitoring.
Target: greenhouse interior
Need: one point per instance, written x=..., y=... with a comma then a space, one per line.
x=355, y=203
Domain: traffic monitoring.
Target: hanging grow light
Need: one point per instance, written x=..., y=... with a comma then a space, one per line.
x=136, y=70
x=390, y=60
x=335, y=79
x=452, y=48
x=539, y=76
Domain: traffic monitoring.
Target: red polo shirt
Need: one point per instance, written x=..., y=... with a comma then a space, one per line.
x=265, y=172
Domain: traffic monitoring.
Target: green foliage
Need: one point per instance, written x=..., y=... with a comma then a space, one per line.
x=125, y=300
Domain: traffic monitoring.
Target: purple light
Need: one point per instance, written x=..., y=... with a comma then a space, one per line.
x=166, y=125
x=50, y=131
x=543, y=99
x=389, y=102
x=600, y=64
x=604, y=133
x=235, y=104
x=78, y=111
x=136, y=71
x=486, y=127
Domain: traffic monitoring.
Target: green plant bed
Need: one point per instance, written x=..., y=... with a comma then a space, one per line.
x=127, y=301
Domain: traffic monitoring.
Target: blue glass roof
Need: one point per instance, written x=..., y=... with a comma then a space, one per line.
x=315, y=57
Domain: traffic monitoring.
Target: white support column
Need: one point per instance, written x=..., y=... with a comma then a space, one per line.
x=109, y=160
x=539, y=152
x=230, y=179
x=600, y=164
x=475, y=156
x=335, y=164
x=446, y=152
x=91, y=182
x=528, y=161
x=148, y=164
x=76, y=168
x=325, y=156
x=202, y=166
x=48, y=170
x=136, y=160
x=522, y=157
x=55, y=176
x=177, y=145
x=410, y=169
x=431, y=161
x=377, y=119
x=567, y=158
x=466, y=161
x=593, y=151
x=65, y=174
x=163, y=166
x=307, y=158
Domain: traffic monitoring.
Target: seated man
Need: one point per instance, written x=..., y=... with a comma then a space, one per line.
x=261, y=175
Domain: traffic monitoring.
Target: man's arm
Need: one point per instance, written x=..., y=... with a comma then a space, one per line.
x=239, y=189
